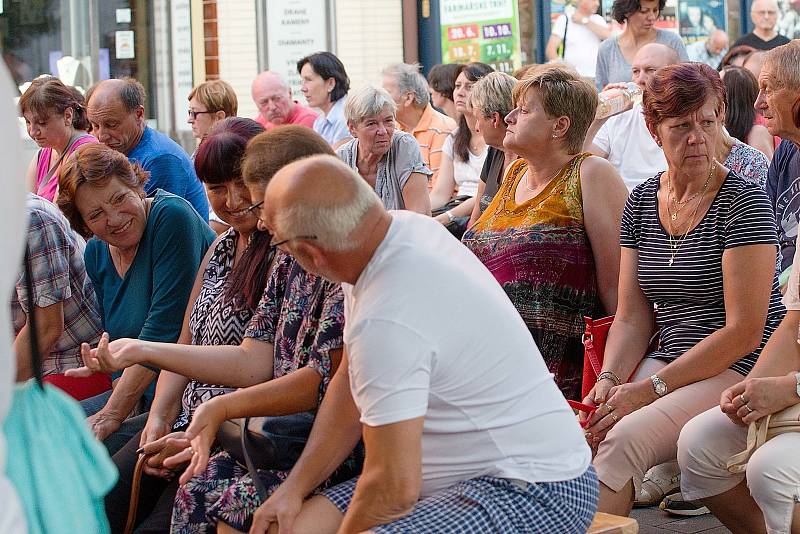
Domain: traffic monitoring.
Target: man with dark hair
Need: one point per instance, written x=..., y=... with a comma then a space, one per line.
x=116, y=111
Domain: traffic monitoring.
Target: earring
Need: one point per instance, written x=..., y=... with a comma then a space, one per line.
x=555, y=136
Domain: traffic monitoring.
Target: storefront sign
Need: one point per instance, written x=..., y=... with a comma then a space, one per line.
x=182, y=73
x=125, y=44
x=295, y=29
x=481, y=30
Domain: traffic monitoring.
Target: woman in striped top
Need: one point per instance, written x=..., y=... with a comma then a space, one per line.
x=699, y=248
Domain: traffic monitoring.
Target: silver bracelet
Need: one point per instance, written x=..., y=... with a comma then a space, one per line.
x=611, y=376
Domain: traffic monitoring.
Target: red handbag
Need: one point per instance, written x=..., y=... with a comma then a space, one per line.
x=594, y=345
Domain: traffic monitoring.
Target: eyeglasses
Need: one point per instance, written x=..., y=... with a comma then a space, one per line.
x=765, y=13
x=284, y=241
x=254, y=206
x=193, y=114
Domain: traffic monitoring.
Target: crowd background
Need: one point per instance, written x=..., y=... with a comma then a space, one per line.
x=161, y=259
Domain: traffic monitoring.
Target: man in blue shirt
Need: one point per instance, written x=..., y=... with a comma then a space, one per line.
x=709, y=51
x=116, y=111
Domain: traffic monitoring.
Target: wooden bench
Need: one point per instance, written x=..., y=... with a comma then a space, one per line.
x=613, y=524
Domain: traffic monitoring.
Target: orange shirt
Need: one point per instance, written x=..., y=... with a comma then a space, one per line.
x=430, y=132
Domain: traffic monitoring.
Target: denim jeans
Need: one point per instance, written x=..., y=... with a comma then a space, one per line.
x=129, y=427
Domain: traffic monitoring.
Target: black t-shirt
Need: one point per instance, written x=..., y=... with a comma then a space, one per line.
x=491, y=175
x=783, y=188
x=758, y=43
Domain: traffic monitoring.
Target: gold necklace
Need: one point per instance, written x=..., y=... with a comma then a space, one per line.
x=680, y=203
x=676, y=244
x=528, y=173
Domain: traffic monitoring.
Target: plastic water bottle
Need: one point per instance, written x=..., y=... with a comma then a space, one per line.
x=615, y=100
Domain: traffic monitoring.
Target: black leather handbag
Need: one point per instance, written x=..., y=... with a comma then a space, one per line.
x=273, y=442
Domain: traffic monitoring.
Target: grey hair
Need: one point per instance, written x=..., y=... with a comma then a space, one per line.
x=331, y=224
x=409, y=80
x=132, y=94
x=366, y=102
x=492, y=94
x=783, y=62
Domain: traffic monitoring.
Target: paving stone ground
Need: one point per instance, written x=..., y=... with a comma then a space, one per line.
x=654, y=521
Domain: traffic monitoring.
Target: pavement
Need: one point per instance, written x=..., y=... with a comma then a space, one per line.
x=654, y=521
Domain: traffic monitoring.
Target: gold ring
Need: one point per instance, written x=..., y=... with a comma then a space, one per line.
x=749, y=409
x=741, y=398
x=614, y=417
x=609, y=408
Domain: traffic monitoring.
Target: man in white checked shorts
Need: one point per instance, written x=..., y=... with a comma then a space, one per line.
x=464, y=428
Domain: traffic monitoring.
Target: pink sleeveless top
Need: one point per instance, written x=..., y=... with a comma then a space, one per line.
x=48, y=190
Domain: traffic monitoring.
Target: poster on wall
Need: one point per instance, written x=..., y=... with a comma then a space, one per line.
x=697, y=19
x=481, y=30
x=295, y=29
x=789, y=18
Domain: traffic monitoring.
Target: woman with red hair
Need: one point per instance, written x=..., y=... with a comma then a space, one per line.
x=698, y=244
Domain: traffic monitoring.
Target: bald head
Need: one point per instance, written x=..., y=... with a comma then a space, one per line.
x=115, y=109
x=272, y=97
x=717, y=42
x=319, y=196
x=764, y=14
x=649, y=59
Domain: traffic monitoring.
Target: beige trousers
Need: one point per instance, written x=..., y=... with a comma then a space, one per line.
x=773, y=472
x=649, y=436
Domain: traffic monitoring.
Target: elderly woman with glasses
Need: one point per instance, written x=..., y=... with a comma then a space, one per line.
x=388, y=159
x=209, y=103
x=288, y=352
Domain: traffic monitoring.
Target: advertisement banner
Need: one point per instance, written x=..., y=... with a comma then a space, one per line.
x=697, y=19
x=481, y=30
x=295, y=29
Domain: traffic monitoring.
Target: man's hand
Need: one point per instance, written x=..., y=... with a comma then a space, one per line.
x=108, y=357
x=104, y=423
x=753, y=398
x=282, y=508
x=194, y=446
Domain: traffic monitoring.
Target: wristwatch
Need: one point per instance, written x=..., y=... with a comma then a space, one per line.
x=797, y=380
x=659, y=386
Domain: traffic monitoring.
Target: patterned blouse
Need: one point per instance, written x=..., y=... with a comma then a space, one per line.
x=213, y=321
x=748, y=163
x=540, y=253
x=302, y=314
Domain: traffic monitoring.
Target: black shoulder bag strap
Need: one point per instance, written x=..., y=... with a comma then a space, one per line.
x=251, y=469
x=36, y=358
x=564, y=40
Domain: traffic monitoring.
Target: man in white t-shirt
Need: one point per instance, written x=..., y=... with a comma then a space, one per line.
x=584, y=30
x=464, y=428
x=624, y=139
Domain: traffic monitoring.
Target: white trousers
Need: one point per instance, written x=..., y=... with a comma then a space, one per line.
x=773, y=471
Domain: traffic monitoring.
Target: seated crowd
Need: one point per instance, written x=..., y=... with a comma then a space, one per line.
x=407, y=380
